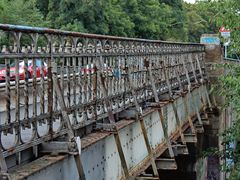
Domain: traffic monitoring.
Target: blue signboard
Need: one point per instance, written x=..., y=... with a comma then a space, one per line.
x=210, y=40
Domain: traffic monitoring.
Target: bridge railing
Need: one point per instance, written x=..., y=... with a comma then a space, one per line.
x=92, y=71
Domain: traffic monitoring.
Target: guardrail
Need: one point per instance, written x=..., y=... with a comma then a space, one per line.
x=94, y=77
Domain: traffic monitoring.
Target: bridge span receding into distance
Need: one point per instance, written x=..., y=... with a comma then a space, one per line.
x=97, y=107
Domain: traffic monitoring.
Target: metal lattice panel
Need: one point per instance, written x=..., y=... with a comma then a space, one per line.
x=93, y=72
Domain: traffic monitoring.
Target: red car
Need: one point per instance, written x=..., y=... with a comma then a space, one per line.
x=22, y=71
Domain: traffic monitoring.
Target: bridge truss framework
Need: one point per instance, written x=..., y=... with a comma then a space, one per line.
x=126, y=99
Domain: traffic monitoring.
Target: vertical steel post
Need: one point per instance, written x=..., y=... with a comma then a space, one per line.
x=121, y=155
x=171, y=98
x=100, y=67
x=197, y=82
x=66, y=119
x=190, y=94
x=163, y=121
x=143, y=128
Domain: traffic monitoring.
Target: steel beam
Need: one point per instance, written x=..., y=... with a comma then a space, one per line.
x=106, y=127
x=166, y=164
x=171, y=98
x=180, y=149
x=190, y=94
x=57, y=147
x=146, y=178
x=163, y=121
x=143, y=128
x=67, y=122
x=190, y=138
x=122, y=156
x=199, y=128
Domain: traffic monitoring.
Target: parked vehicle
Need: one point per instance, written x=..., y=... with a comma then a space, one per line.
x=21, y=71
x=90, y=69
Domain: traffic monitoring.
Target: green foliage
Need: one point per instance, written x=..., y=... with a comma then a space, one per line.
x=153, y=19
x=98, y=16
x=200, y=19
x=20, y=12
x=177, y=27
x=229, y=16
x=229, y=88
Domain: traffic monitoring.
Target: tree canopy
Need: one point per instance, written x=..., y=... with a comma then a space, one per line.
x=228, y=15
x=153, y=19
x=21, y=12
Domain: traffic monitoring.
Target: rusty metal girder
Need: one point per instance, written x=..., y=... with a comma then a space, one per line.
x=166, y=164
x=100, y=154
x=180, y=149
x=190, y=138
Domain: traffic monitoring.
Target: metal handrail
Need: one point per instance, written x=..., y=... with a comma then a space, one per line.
x=28, y=105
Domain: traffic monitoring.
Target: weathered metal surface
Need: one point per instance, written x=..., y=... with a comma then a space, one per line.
x=64, y=115
x=190, y=138
x=56, y=147
x=180, y=149
x=166, y=164
x=99, y=151
x=95, y=78
x=28, y=29
x=199, y=128
x=146, y=178
x=36, y=166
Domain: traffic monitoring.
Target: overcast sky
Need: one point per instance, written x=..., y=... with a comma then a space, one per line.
x=190, y=1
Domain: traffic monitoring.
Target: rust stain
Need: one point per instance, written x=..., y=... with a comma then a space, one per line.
x=31, y=168
x=47, y=160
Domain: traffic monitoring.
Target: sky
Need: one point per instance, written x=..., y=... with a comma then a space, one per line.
x=190, y=1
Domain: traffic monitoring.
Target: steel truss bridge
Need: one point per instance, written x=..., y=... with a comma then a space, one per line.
x=108, y=107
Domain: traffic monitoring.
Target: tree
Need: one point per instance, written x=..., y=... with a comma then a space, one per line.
x=146, y=19
x=42, y=5
x=177, y=27
x=97, y=16
x=228, y=16
x=151, y=18
x=21, y=12
x=200, y=19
